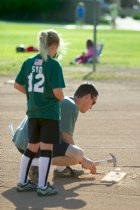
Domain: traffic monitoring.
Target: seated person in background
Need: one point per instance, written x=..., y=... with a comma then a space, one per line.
x=85, y=56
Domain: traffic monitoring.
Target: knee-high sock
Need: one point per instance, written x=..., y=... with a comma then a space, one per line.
x=44, y=167
x=25, y=164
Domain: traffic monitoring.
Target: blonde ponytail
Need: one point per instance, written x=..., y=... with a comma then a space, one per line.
x=46, y=39
x=43, y=49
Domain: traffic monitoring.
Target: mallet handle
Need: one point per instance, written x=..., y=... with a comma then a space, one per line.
x=98, y=162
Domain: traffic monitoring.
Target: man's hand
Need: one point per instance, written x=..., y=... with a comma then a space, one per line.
x=93, y=169
x=88, y=164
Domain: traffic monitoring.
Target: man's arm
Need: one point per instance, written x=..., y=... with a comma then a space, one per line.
x=85, y=162
x=88, y=164
x=67, y=138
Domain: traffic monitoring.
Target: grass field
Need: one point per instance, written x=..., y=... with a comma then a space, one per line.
x=121, y=48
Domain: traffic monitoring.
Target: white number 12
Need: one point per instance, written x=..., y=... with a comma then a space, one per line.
x=38, y=86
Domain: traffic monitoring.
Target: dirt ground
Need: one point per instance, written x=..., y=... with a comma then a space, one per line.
x=113, y=126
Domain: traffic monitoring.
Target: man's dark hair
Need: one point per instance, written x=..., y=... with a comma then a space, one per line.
x=85, y=89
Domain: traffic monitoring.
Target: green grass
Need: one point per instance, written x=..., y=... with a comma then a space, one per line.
x=121, y=48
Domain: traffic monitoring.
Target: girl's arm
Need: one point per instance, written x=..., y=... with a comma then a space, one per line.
x=58, y=93
x=19, y=87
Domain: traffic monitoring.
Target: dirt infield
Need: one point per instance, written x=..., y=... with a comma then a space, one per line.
x=113, y=126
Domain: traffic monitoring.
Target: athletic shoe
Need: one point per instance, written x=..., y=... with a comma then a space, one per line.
x=48, y=191
x=67, y=172
x=33, y=174
x=29, y=186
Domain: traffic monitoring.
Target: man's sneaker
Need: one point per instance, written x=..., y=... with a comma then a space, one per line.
x=67, y=172
x=33, y=174
x=29, y=186
x=48, y=191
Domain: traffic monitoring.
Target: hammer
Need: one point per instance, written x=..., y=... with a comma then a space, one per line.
x=112, y=160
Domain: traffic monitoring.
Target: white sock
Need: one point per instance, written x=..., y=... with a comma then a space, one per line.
x=23, y=168
x=60, y=168
x=43, y=169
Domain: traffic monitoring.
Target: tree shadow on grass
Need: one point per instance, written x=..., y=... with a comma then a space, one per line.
x=87, y=75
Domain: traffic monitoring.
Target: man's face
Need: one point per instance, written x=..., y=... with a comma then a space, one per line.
x=86, y=103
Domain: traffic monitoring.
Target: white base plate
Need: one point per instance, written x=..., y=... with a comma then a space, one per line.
x=113, y=177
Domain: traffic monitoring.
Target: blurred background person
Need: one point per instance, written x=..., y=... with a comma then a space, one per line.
x=80, y=14
x=113, y=12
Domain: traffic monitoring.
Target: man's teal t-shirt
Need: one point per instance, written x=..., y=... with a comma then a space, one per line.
x=69, y=114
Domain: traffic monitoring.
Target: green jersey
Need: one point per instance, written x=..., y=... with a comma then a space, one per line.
x=39, y=79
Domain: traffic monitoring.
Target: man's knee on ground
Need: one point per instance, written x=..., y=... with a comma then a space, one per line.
x=75, y=152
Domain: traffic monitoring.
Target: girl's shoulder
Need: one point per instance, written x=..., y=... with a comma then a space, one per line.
x=54, y=62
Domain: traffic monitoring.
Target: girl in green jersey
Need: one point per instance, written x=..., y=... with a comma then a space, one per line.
x=41, y=79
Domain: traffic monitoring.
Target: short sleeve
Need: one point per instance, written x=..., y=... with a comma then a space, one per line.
x=57, y=79
x=21, y=75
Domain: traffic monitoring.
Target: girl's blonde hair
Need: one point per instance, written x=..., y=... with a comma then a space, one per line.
x=46, y=39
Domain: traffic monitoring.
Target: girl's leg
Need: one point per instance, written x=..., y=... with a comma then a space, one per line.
x=44, y=166
x=26, y=161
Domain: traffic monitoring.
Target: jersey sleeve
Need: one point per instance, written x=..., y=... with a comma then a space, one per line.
x=57, y=79
x=21, y=75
